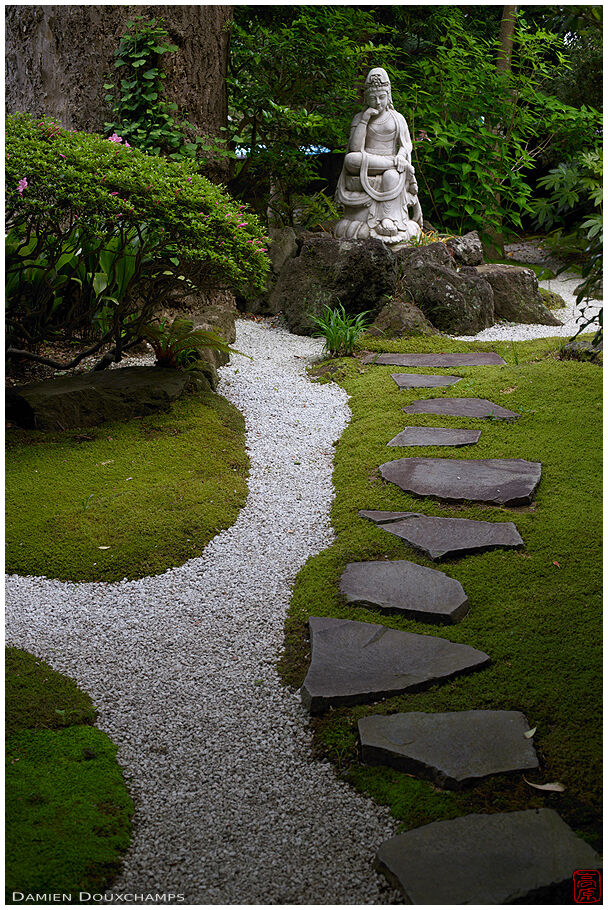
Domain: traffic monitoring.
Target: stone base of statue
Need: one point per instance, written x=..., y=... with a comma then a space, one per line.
x=355, y=226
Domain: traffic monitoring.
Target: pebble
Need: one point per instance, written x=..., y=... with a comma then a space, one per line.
x=230, y=806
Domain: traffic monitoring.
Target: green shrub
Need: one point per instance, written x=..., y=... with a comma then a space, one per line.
x=99, y=231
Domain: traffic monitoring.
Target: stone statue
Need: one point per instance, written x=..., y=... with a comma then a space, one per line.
x=377, y=186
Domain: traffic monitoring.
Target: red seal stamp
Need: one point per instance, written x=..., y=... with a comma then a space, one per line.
x=587, y=884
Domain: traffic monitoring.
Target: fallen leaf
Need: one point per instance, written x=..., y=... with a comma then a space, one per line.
x=107, y=462
x=530, y=733
x=555, y=563
x=507, y=391
x=554, y=787
x=103, y=548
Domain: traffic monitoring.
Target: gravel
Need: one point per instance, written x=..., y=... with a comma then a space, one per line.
x=570, y=316
x=230, y=805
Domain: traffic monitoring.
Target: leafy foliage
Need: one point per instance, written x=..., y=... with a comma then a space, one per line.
x=340, y=330
x=99, y=232
x=292, y=87
x=142, y=114
x=177, y=344
x=478, y=130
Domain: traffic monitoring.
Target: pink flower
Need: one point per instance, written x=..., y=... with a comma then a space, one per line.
x=22, y=185
x=61, y=156
x=242, y=223
x=114, y=138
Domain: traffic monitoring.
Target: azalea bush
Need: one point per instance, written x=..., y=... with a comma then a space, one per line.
x=100, y=234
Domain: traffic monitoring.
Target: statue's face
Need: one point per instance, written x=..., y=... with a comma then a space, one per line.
x=378, y=98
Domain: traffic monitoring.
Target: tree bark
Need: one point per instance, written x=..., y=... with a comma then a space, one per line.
x=507, y=29
x=58, y=57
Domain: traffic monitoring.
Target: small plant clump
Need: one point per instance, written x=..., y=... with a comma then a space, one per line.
x=340, y=329
x=176, y=345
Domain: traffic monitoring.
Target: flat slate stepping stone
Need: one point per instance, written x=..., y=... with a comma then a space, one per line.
x=450, y=749
x=355, y=662
x=435, y=436
x=471, y=359
x=415, y=591
x=485, y=859
x=423, y=381
x=441, y=537
x=500, y=481
x=461, y=407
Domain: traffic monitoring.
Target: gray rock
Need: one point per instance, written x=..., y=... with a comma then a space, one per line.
x=282, y=246
x=437, y=361
x=485, y=859
x=466, y=250
x=405, y=587
x=399, y=318
x=88, y=399
x=422, y=381
x=461, y=407
x=552, y=300
x=439, y=538
x=516, y=294
x=359, y=274
x=500, y=481
x=435, y=436
x=459, y=303
x=355, y=662
x=451, y=749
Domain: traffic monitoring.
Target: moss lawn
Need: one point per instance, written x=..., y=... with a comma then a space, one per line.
x=124, y=500
x=536, y=612
x=68, y=813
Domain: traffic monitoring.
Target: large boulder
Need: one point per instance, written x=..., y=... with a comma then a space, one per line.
x=466, y=250
x=400, y=318
x=88, y=399
x=458, y=303
x=517, y=297
x=282, y=246
x=360, y=274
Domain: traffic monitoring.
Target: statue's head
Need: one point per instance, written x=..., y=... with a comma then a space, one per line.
x=377, y=80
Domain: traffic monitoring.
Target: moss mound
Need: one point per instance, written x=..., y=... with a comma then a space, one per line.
x=124, y=500
x=536, y=612
x=67, y=809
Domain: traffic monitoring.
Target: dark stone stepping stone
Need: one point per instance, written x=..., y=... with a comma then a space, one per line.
x=423, y=381
x=485, y=859
x=461, y=407
x=501, y=481
x=355, y=662
x=441, y=537
x=450, y=749
x=437, y=361
x=415, y=591
x=435, y=436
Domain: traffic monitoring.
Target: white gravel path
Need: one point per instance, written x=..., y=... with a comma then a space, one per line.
x=570, y=316
x=230, y=808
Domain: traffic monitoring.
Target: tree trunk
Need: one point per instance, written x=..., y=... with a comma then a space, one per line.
x=495, y=246
x=58, y=57
x=507, y=28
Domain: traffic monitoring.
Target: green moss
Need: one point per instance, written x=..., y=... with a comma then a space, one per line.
x=67, y=810
x=536, y=612
x=124, y=500
x=39, y=698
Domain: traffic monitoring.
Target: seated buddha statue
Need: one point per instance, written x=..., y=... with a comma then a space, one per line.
x=377, y=187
